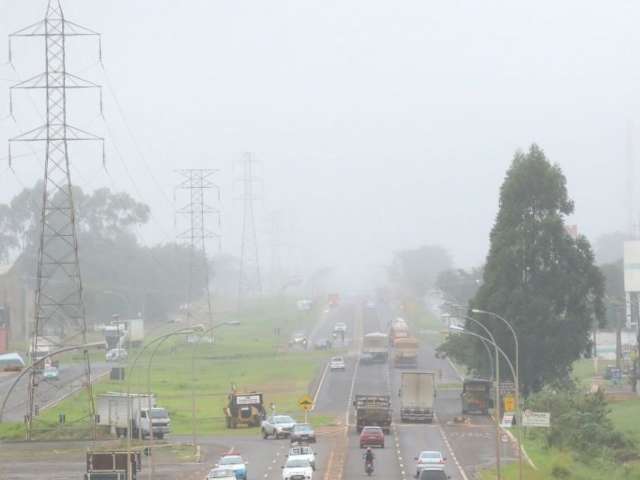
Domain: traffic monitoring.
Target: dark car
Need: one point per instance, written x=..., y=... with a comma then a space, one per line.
x=367, y=358
x=303, y=432
x=372, y=437
x=433, y=474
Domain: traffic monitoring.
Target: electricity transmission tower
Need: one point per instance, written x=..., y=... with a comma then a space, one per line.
x=59, y=317
x=249, y=281
x=197, y=181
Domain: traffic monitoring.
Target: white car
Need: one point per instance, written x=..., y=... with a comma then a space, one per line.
x=236, y=464
x=303, y=452
x=116, y=355
x=297, y=469
x=431, y=459
x=340, y=327
x=337, y=363
x=221, y=474
x=51, y=373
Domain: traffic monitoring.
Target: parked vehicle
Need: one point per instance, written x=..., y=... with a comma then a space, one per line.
x=373, y=410
x=377, y=345
x=432, y=459
x=297, y=469
x=244, y=409
x=236, y=464
x=417, y=395
x=113, y=410
x=221, y=473
x=298, y=339
x=337, y=363
x=477, y=396
x=303, y=432
x=278, y=426
x=405, y=352
x=399, y=329
x=135, y=332
x=431, y=473
x=116, y=355
x=51, y=373
x=371, y=437
x=305, y=452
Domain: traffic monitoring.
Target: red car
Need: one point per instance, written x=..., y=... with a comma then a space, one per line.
x=372, y=437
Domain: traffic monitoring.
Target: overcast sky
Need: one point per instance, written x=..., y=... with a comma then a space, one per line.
x=379, y=124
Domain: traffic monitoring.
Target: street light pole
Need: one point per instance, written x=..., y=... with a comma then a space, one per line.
x=516, y=376
x=498, y=350
x=182, y=331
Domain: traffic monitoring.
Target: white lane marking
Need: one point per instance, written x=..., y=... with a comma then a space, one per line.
x=315, y=397
x=451, y=452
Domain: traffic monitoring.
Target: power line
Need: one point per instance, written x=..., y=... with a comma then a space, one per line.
x=59, y=307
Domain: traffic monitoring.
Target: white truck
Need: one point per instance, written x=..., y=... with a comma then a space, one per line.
x=135, y=332
x=113, y=410
x=417, y=395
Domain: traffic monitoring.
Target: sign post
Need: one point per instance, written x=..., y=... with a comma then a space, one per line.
x=306, y=404
x=536, y=419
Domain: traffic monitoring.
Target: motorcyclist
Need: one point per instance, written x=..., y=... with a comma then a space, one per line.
x=368, y=457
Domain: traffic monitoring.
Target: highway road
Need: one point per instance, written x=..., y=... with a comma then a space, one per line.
x=50, y=392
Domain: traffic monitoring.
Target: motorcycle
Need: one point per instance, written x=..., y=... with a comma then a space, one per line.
x=368, y=468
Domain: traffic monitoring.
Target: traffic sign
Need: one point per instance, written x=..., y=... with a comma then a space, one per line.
x=507, y=387
x=507, y=420
x=536, y=419
x=306, y=403
x=509, y=403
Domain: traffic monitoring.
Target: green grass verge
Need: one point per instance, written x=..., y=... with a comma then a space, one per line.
x=248, y=355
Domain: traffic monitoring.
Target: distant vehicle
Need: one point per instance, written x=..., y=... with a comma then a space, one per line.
x=367, y=358
x=370, y=304
x=304, y=452
x=244, y=409
x=373, y=410
x=116, y=355
x=399, y=329
x=429, y=459
x=304, y=305
x=303, y=432
x=476, y=396
x=333, y=300
x=298, y=338
x=431, y=473
x=236, y=464
x=297, y=469
x=113, y=409
x=340, y=327
x=278, y=426
x=372, y=437
x=221, y=474
x=11, y=362
x=337, y=363
x=417, y=395
x=323, y=344
x=405, y=352
x=51, y=373
x=377, y=345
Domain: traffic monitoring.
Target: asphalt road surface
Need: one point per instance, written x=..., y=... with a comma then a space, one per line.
x=50, y=392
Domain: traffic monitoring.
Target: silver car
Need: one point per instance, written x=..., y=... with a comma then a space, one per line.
x=277, y=426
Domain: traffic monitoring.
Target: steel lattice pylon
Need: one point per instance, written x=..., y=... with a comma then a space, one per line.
x=59, y=318
x=250, y=281
x=196, y=181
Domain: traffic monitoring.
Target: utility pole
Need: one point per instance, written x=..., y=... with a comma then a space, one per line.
x=249, y=281
x=196, y=182
x=59, y=319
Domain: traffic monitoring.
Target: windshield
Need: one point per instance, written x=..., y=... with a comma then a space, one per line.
x=297, y=463
x=159, y=413
x=231, y=460
x=283, y=419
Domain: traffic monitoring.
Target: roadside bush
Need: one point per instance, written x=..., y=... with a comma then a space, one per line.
x=580, y=423
x=558, y=471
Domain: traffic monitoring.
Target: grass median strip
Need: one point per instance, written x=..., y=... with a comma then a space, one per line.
x=251, y=356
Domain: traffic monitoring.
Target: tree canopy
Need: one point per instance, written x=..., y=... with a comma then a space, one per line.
x=538, y=276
